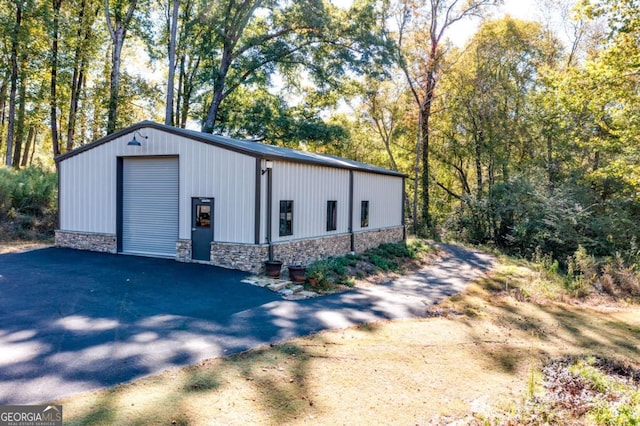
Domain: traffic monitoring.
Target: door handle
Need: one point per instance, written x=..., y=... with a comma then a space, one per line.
x=193, y=229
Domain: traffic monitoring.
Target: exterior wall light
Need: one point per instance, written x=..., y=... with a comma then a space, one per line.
x=134, y=141
x=268, y=166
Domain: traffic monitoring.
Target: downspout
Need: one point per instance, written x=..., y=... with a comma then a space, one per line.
x=258, y=200
x=351, y=235
x=269, y=211
x=402, y=207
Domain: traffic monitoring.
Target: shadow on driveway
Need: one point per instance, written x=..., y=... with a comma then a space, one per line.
x=72, y=321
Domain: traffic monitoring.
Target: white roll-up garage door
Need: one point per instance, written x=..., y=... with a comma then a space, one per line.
x=150, y=206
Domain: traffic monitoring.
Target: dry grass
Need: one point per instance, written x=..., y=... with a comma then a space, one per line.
x=476, y=356
x=22, y=246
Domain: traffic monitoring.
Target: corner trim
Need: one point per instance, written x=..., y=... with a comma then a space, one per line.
x=119, y=202
x=352, y=238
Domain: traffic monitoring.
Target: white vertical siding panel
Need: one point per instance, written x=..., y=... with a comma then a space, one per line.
x=310, y=187
x=88, y=184
x=384, y=194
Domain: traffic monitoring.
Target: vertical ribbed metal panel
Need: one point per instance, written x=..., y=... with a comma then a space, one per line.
x=88, y=185
x=150, y=206
x=88, y=192
x=310, y=187
x=384, y=194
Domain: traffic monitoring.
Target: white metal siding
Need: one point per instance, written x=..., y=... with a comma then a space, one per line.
x=310, y=187
x=88, y=184
x=150, y=206
x=88, y=194
x=384, y=194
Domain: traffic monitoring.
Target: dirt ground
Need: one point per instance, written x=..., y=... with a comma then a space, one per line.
x=21, y=246
x=475, y=356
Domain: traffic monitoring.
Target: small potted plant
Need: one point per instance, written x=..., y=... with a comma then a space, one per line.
x=317, y=273
x=273, y=268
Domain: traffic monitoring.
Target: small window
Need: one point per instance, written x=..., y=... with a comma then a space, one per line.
x=286, y=217
x=364, y=214
x=332, y=215
x=203, y=216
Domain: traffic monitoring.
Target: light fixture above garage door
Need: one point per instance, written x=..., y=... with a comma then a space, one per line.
x=136, y=142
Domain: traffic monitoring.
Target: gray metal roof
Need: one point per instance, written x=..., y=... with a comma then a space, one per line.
x=254, y=149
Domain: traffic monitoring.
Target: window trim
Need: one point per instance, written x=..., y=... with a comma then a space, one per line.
x=287, y=229
x=364, y=214
x=332, y=215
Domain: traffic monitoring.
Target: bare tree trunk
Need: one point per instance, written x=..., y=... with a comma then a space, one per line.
x=478, y=162
x=416, y=176
x=27, y=149
x=76, y=88
x=118, y=33
x=78, y=77
x=218, y=91
x=114, y=81
x=187, y=77
x=14, y=86
x=425, y=125
x=173, y=27
x=33, y=145
x=3, y=112
x=57, y=4
x=178, y=103
x=20, y=124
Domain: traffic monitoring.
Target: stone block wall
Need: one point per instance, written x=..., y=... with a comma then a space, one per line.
x=245, y=257
x=249, y=257
x=304, y=252
x=364, y=240
x=105, y=243
x=183, y=250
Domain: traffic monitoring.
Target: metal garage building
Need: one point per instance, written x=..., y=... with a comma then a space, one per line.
x=157, y=190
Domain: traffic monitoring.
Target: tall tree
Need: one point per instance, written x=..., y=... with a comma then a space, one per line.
x=252, y=37
x=173, y=31
x=429, y=20
x=118, y=18
x=22, y=107
x=53, y=101
x=82, y=46
x=15, y=37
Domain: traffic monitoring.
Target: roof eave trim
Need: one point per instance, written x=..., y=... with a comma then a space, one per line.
x=207, y=139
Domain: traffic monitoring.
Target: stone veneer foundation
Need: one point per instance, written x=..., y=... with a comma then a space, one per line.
x=245, y=257
x=183, y=250
x=304, y=252
x=250, y=257
x=364, y=240
x=105, y=243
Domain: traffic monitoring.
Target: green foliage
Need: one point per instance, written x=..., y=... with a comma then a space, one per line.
x=257, y=114
x=28, y=200
x=585, y=390
x=382, y=263
x=389, y=257
x=327, y=273
x=341, y=270
x=611, y=275
x=521, y=217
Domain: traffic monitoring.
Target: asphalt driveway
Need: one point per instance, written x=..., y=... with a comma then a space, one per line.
x=72, y=321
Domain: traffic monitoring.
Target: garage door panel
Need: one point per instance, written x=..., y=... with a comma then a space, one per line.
x=150, y=206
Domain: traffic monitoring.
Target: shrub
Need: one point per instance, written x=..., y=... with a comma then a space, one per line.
x=28, y=199
x=382, y=263
x=340, y=270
